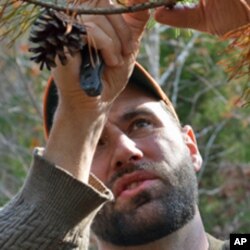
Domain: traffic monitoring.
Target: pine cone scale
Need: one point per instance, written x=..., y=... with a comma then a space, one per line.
x=52, y=33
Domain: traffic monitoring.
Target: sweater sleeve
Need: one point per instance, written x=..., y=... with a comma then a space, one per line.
x=53, y=210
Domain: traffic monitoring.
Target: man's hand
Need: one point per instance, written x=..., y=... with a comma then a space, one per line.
x=213, y=16
x=117, y=37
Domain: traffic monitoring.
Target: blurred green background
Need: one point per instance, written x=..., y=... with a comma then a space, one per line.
x=186, y=65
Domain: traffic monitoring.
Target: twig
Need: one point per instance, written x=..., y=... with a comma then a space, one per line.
x=211, y=192
x=14, y=148
x=209, y=87
x=101, y=11
x=176, y=84
x=223, y=153
x=204, y=131
x=180, y=59
x=152, y=49
x=209, y=145
x=27, y=89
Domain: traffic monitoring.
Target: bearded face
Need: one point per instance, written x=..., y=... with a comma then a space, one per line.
x=153, y=213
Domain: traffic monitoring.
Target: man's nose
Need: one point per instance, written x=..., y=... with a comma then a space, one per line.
x=125, y=151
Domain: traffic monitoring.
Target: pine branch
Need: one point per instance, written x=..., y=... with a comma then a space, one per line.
x=101, y=11
x=16, y=16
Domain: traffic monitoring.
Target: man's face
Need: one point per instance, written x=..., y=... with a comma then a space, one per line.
x=143, y=159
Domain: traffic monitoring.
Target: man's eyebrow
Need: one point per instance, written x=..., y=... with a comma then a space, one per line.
x=129, y=115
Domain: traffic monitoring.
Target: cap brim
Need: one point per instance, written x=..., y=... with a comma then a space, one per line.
x=139, y=76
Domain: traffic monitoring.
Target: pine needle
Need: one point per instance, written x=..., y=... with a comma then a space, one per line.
x=239, y=51
x=16, y=18
x=238, y=64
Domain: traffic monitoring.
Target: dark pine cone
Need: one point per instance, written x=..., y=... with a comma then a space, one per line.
x=51, y=33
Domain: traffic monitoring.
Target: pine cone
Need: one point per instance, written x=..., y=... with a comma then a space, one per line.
x=51, y=33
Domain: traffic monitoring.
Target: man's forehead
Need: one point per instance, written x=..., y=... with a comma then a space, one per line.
x=125, y=111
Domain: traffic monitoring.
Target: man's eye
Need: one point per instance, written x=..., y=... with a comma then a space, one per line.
x=141, y=124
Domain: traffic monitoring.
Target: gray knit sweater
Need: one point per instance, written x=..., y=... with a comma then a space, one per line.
x=39, y=218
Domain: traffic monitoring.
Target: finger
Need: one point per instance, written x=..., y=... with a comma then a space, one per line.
x=182, y=17
x=136, y=20
x=121, y=28
x=123, y=32
x=104, y=23
x=102, y=41
x=66, y=76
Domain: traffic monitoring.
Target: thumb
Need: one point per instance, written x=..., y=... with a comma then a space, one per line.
x=181, y=17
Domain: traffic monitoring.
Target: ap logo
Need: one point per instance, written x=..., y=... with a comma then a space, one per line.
x=239, y=241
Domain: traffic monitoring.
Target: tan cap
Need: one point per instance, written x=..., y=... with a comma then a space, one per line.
x=139, y=76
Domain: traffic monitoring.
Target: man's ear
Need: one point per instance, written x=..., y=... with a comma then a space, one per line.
x=190, y=140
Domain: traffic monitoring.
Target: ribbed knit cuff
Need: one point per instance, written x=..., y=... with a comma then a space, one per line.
x=60, y=196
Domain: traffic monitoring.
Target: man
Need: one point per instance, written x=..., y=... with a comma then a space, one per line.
x=130, y=138
x=148, y=162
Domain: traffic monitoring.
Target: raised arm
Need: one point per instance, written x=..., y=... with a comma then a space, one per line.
x=79, y=119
